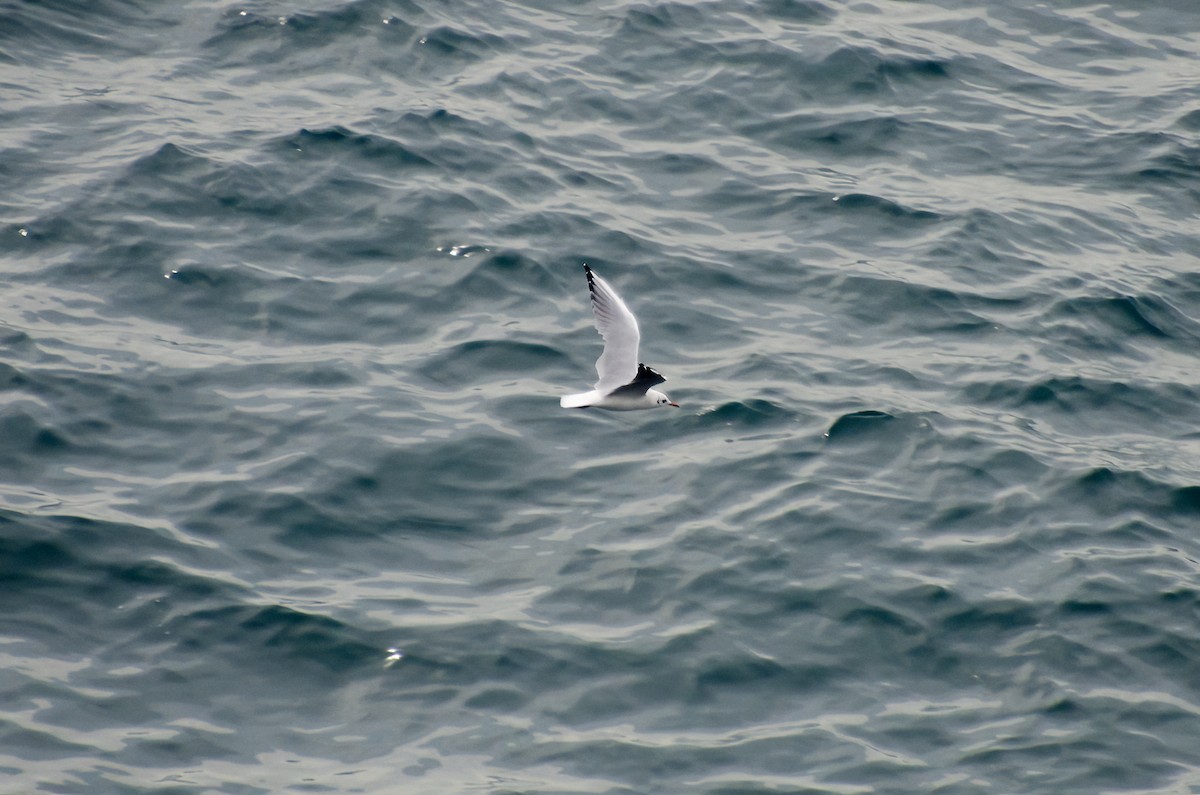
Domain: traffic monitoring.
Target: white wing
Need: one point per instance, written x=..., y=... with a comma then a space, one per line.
x=618, y=365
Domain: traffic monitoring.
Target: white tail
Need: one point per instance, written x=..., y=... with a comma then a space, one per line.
x=577, y=401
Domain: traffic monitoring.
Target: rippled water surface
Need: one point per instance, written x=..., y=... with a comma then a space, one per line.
x=290, y=291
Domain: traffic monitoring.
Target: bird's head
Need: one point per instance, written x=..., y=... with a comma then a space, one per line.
x=660, y=399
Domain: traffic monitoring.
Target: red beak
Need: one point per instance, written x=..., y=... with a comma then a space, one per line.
x=676, y=405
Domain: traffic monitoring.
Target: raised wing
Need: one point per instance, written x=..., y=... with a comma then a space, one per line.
x=618, y=365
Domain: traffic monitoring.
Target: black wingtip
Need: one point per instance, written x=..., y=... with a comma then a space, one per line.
x=646, y=377
x=591, y=283
x=649, y=374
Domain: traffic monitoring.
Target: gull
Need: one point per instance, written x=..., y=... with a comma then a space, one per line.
x=625, y=382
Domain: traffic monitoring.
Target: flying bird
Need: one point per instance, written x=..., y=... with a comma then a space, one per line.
x=625, y=383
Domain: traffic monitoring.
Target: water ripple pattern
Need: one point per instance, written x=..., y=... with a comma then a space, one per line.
x=290, y=290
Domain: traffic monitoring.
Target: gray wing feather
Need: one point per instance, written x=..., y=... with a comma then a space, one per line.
x=618, y=365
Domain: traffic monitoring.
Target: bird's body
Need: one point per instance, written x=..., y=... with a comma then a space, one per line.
x=625, y=384
x=650, y=399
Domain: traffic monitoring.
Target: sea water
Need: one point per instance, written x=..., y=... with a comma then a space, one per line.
x=291, y=289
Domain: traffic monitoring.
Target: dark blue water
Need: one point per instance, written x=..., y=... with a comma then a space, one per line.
x=290, y=291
